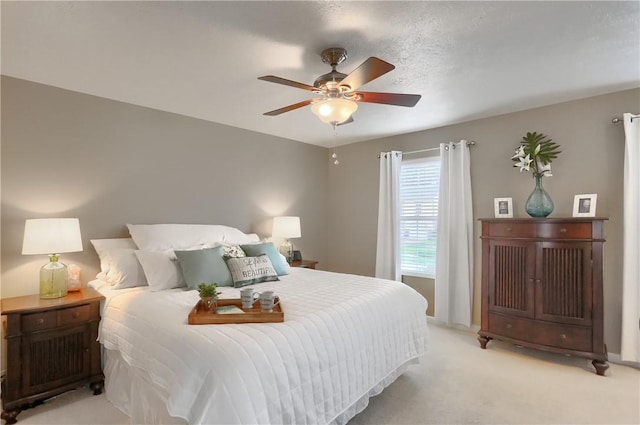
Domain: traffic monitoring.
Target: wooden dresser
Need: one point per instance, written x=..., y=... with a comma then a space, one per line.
x=542, y=285
x=52, y=347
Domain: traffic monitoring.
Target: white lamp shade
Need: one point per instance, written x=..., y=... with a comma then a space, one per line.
x=51, y=236
x=286, y=227
x=334, y=110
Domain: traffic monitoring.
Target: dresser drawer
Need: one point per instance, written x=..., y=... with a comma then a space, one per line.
x=38, y=321
x=509, y=326
x=564, y=336
x=564, y=230
x=72, y=315
x=515, y=230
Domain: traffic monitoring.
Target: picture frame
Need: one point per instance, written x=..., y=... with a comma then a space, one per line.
x=503, y=207
x=585, y=205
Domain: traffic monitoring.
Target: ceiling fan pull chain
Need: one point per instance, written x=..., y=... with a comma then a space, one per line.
x=335, y=137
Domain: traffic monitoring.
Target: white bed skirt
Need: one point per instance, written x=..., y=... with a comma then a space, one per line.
x=131, y=390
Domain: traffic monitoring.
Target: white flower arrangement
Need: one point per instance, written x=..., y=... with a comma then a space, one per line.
x=535, y=154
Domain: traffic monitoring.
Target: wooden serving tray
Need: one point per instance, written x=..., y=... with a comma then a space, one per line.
x=199, y=315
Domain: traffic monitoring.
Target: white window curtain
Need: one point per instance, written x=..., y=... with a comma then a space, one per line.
x=388, y=244
x=454, y=256
x=630, y=349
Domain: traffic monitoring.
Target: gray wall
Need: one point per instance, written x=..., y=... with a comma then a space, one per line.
x=591, y=162
x=110, y=163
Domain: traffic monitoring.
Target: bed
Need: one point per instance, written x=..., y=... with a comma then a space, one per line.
x=344, y=339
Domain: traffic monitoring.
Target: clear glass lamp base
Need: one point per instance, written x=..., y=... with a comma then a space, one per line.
x=54, y=278
x=286, y=249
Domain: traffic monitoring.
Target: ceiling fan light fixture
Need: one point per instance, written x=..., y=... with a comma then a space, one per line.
x=334, y=110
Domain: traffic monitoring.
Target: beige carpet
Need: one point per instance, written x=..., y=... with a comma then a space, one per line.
x=456, y=383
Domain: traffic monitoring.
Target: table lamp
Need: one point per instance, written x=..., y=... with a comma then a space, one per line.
x=52, y=236
x=286, y=227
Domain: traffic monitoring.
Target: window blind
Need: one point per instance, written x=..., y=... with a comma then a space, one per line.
x=419, y=192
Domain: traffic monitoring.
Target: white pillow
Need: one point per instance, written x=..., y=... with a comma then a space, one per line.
x=125, y=271
x=252, y=238
x=105, y=248
x=161, y=269
x=160, y=237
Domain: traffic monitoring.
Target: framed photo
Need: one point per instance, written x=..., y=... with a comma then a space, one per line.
x=585, y=205
x=503, y=207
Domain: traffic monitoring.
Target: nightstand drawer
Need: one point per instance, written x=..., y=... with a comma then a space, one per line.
x=73, y=315
x=39, y=321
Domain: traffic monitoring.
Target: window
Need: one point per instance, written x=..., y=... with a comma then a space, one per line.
x=419, y=191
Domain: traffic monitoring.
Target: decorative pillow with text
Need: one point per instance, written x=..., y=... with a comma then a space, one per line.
x=249, y=270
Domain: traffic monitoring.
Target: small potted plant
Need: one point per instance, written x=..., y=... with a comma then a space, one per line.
x=208, y=294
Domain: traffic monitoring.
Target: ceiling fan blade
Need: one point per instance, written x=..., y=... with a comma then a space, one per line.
x=350, y=120
x=389, y=98
x=288, y=108
x=279, y=80
x=369, y=70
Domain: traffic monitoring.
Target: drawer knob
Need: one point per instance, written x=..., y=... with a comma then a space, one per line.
x=563, y=336
x=76, y=314
x=563, y=230
x=508, y=229
x=509, y=325
x=40, y=321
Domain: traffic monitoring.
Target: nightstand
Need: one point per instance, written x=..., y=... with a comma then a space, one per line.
x=52, y=347
x=306, y=264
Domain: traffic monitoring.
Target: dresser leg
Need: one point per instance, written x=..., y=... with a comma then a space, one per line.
x=601, y=367
x=10, y=416
x=483, y=341
x=97, y=387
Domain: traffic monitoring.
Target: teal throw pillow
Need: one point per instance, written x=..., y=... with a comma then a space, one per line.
x=204, y=266
x=253, y=250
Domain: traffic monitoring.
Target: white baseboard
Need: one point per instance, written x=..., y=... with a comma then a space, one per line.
x=615, y=358
x=472, y=328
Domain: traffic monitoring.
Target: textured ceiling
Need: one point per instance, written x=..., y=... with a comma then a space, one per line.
x=468, y=60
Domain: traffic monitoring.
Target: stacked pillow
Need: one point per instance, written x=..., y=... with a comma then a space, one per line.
x=166, y=256
x=232, y=265
x=118, y=263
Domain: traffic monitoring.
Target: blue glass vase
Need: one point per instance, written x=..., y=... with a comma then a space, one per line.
x=539, y=203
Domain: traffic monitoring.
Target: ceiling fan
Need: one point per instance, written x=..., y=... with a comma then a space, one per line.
x=340, y=91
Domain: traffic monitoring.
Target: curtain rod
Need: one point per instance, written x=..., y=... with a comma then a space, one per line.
x=618, y=120
x=469, y=144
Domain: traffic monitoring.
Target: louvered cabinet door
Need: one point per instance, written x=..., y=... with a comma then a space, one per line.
x=53, y=359
x=564, y=282
x=511, y=268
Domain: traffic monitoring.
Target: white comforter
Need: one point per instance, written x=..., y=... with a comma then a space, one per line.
x=344, y=338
